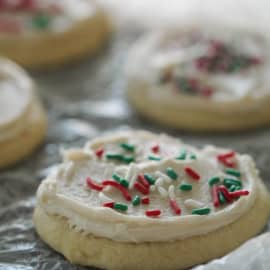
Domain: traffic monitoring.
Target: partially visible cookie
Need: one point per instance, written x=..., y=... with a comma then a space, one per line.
x=23, y=122
x=45, y=33
x=202, y=78
x=184, y=208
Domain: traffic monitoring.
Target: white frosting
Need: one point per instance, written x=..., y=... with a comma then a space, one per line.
x=177, y=50
x=62, y=15
x=16, y=98
x=69, y=196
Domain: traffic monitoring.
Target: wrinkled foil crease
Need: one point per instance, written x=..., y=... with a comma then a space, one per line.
x=83, y=100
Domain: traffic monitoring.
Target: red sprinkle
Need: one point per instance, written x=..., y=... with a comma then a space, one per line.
x=145, y=200
x=192, y=173
x=26, y=4
x=99, y=152
x=8, y=25
x=224, y=158
x=239, y=193
x=207, y=91
x=202, y=63
x=155, y=148
x=153, y=213
x=194, y=83
x=143, y=180
x=108, y=204
x=226, y=155
x=225, y=193
x=228, y=163
x=255, y=60
x=119, y=187
x=140, y=187
x=215, y=196
x=175, y=207
x=93, y=185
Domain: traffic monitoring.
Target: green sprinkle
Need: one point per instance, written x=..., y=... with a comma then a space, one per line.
x=185, y=187
x=115, y=156
x=120, y=206
x=128, y=159
x=124, y=183
x=214, y=180
x=41, y=21
x=240, y=62
x=171, y=173
x=182, y=155
x=128, y=147
x=184, y=85
x=232, y=188
x=136, y=200
x=201, y=211
x=119, y=157
x=221, y=198
x=120, y=180
x=228, y=182
x=193, y=156
x=233, y=172
x=154, y=158
x=149, y=179
x=116, y=177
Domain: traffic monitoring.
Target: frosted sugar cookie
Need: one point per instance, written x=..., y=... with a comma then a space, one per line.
x=187, y=207
x=201, y=78
x=41, y=33
x=23, y=122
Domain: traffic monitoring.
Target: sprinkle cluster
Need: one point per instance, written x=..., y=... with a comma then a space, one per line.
x=40, y=17
x=230, y=188
x=127, y=154
x=187, y=84
x=219, y=58
x=137, y=192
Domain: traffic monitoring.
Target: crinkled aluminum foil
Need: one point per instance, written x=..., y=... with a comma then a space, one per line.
x=83, y=100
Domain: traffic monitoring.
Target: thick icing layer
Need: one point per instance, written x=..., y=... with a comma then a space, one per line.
x=66, y=192
x=177, y=53
x=35, y=16
x=16, y=98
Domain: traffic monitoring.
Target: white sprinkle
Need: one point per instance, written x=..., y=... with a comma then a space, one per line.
x=171, y=192
x=159, y=182
x=132, y=175
x=58, y=172
x=103, y=197
x=69, y=171
x=190, y=203
x=75, y=155
x=107, y=189
x=164, y=176
x=153, y=188
x=163, y=192
x=121, y=170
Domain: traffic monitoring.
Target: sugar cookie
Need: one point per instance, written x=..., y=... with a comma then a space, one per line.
x=201, y=78
x=38, y=33
x=23, y=122
x=111, y=206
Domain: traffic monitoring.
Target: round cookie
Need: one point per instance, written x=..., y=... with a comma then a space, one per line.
x=23, y=122
x=38, y=33
x=201, y=78
x=112, y=205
